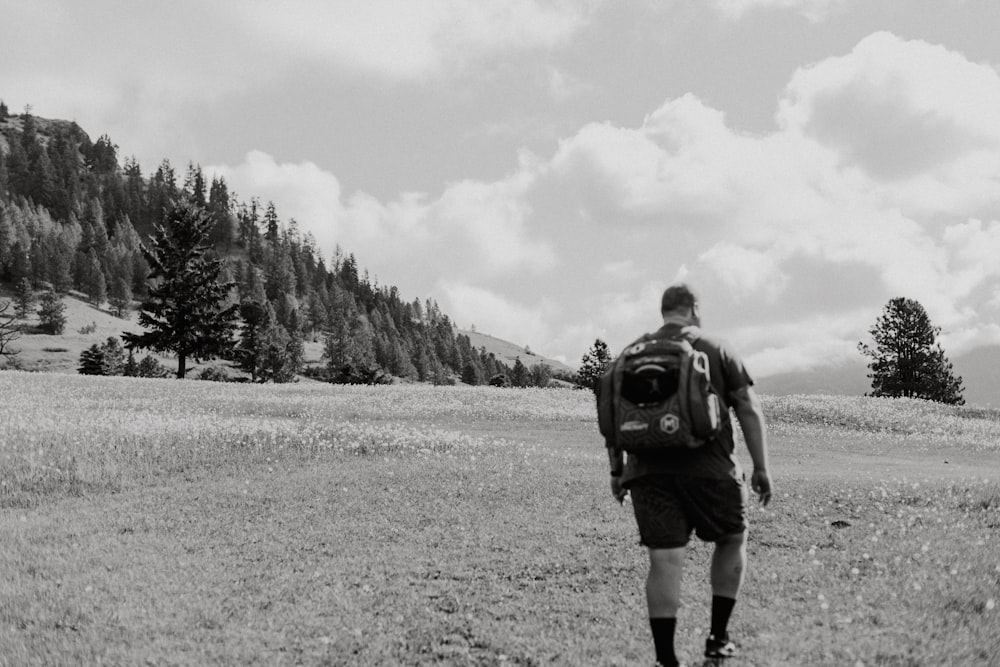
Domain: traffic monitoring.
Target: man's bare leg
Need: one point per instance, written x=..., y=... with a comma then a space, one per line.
x=663, y=598
x=729, y=562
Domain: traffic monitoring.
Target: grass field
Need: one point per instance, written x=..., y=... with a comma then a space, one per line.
x=166, y=523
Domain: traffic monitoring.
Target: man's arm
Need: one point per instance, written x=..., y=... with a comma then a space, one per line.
x=751, y=417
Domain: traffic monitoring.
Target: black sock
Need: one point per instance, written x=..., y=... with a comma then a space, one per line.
x=663, y=639
x=722, y=609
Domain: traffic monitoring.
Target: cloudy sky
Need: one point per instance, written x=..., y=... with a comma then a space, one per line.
x=544, y=168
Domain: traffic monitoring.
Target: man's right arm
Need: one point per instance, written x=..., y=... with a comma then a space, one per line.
x=750, y=415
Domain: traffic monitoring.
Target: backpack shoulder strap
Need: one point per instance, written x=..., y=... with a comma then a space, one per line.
x=692, y=333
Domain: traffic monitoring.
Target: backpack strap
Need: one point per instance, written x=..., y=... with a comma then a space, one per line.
x=691, y=332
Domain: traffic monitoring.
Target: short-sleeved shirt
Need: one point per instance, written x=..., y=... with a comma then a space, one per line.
x=715, y=459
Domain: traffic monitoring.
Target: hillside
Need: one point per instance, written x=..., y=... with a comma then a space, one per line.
x=508, y=352
x=73, y=216
x=86, y=325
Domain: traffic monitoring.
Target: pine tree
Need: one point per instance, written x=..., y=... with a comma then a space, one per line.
x=194, y=185
x=91, y=361
x=472, y=374
x=24, y=298
x=256, y=315
x=519, y=375
x=52, y=314
x=281, y=357
x=593, y=364
x=113, y=357
x=96, y=284
x=907, y=360
x=120, y=298
x=131, y=368
x=271, y=224
x=218, y=207
x=186, y=311
x=102, y=157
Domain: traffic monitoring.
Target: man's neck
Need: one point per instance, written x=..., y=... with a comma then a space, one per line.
x=678, y=320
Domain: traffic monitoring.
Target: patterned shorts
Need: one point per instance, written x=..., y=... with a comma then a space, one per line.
x=669, y=508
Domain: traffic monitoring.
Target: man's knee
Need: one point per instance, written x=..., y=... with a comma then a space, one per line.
x=732, y=541
x=662, y=559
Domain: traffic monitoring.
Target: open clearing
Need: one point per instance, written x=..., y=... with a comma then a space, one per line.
x=167, y=522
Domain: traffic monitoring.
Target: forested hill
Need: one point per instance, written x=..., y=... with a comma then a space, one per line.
x=73, y=216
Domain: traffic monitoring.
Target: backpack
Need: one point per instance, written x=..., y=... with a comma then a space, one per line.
x=658, y=395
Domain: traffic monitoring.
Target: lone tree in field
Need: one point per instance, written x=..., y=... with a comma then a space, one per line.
x=593, y=364
x=907, y=360
x=187, y=310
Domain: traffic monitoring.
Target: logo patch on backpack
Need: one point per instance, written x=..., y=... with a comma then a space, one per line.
x=658, y=395
x=670, y=424
x=634, y=426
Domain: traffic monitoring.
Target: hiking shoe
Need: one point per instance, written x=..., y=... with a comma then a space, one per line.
x=719, y=647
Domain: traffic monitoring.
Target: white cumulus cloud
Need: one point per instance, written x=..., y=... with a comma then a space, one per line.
x=413, y=40
x=813, y=10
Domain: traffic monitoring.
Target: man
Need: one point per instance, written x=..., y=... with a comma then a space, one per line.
x=702, y=490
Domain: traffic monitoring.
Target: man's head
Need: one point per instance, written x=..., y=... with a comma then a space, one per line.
x=679, y=303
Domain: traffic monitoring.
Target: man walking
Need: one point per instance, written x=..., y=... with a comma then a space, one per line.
x=679, y=491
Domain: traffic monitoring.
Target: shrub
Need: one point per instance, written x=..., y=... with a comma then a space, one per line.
x=214, y=374
x=150, y=367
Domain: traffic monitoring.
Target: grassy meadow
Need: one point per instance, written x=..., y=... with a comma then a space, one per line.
x=171, y=523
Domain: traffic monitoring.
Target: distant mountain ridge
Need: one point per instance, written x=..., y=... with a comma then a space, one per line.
x=508, y=352
x=979, y=370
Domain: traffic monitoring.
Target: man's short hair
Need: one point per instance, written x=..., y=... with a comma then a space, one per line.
x=676, y=297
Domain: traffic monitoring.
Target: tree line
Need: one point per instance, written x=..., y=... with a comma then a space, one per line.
x=73, y=218
x=905, y=359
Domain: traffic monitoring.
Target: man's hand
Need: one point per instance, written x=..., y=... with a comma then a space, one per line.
x=617, y=490
x=760, y=482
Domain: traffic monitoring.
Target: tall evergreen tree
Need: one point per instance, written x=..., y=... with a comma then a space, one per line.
x=271, y=224
x=96, y=284
x=194, y=185
x=519, y=374
x=113, y=357
x=120, y=297
x=907, y=360
x=24, y=298
x=593, y=364
x=187, y=310
x=256, y=315
x=102, y=157
x=219, y=208
x=52, y=314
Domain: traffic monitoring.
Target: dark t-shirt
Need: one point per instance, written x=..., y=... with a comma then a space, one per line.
x=715, y=459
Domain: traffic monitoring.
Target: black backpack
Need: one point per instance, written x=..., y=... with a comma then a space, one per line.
x=658, y=395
